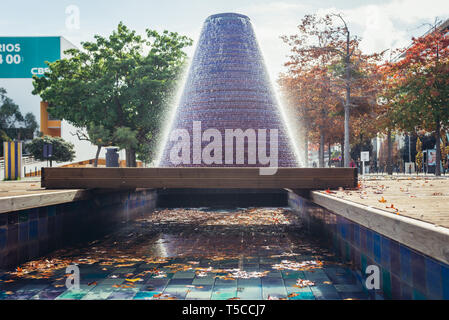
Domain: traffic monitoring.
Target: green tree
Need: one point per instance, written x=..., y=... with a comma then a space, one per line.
x=62, y=150
x=120, y=81
x=13, y=125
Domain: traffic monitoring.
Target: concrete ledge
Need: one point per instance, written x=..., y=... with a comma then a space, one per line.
x=23, y=202
x=424, y=237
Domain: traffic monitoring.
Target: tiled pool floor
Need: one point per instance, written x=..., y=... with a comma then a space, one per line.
x=193, y=254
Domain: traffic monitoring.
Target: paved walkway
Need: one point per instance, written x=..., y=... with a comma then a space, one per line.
x=26, y=186
x=422, y=198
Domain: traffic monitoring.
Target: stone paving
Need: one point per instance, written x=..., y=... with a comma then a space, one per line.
x=424, y=198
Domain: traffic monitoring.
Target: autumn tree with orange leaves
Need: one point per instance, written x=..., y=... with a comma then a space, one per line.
x=417, y=87
x=331, y=76
x=310, y=90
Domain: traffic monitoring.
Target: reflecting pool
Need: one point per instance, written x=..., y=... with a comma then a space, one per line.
x=197, y=253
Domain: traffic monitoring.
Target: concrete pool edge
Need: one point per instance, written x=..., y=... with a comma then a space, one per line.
x=31, y=229
x=427, y=238
x=404, y=272
x=30, y=201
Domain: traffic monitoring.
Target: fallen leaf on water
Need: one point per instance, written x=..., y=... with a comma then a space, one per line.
x=293, y=294
x=93, y=283
x=382, y=200
x=125, y=265
x=301, y=283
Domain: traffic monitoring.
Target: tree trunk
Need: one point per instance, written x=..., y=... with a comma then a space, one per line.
x=389, y=155
x=342, y=147
x=131, y=158
x=347, y=100
x=329, y=154
x=437, y=146
x=306, y=149
x=346, y=140
x=321, y=155
x=96, y=156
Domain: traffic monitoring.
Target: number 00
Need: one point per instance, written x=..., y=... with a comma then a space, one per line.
x=13, y=59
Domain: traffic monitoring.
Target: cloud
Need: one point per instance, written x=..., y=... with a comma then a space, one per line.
x=391, y=25
x=381, y=26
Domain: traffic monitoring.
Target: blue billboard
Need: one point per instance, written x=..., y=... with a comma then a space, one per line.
x=23, y=57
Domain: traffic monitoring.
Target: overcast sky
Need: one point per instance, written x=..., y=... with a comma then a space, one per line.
x=381, y=24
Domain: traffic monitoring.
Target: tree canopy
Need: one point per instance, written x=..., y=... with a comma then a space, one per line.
x=122, y=83
x=417, y=87
x=61, y=149
x=328, y=75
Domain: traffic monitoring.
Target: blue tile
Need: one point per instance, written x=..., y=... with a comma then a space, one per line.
x=363, y=262
x=13, y=218
x=356, y=234
x=351, y=232
x=418, y=295
x=356, y=258
x=376, y=247
x=146, y=295
x=343, y=230
x=406, y=292
x=406, y=267
x=363, y=244
x=43, y=228
x=418, y=272
x=433, y=279
x=385, y=252
x=23, y=231
x=369, y=243
x=3, y=220
x=445, y=282
x=395, y=288
x=23, y=216
x=51, y=211
x=33, y=213
x=33, y=229
x=302, y=296
x=395, y=265
x=180, y=282
x=43, y=212
x=3, y=237
x=13, y=235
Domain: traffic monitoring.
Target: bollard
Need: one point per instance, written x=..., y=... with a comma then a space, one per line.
x=12, y=151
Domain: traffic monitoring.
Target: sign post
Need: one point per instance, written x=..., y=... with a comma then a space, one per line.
x=48, y=152
x=364, y=156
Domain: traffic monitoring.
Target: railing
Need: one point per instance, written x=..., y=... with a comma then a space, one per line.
x=26, y=160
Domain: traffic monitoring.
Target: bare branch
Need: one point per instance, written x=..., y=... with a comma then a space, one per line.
x=80, y=135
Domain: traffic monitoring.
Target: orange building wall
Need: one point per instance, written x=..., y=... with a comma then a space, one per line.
x=49, y=127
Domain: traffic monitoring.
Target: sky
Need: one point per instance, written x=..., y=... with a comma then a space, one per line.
x=382, y=24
